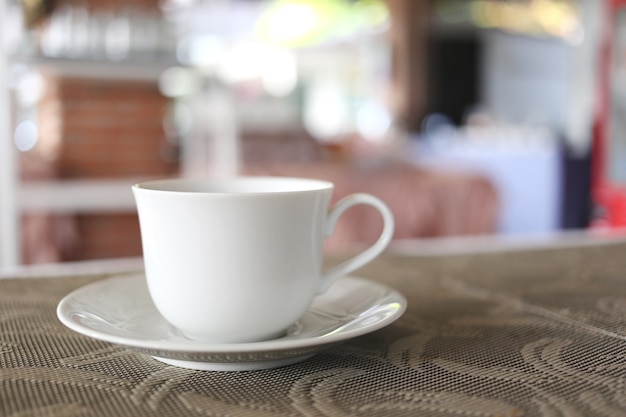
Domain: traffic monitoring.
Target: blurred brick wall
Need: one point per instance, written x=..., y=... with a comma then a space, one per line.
x=103, y=236
x=107, y=129
x=111, y=129
x=94, y=129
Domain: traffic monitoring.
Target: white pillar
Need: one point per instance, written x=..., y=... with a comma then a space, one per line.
x=212, y=147
x=10, y=241
x=223, y=133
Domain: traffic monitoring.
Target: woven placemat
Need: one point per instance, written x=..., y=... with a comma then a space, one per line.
x=536, y=333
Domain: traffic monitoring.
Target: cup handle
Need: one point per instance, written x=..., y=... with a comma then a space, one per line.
x=367, y=255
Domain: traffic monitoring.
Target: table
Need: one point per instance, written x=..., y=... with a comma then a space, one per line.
x=507, y=333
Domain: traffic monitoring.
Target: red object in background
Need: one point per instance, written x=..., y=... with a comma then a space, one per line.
x=611, y=207
x=616, y=201
x=609, y=198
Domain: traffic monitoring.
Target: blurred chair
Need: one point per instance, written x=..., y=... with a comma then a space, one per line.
x=425, y=202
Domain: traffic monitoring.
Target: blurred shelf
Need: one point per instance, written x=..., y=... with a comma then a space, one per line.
x=129, y=70
x=77, y=196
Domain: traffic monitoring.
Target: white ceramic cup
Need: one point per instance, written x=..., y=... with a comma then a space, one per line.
x=240, y=260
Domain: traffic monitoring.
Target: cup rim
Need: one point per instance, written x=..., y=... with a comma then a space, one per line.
x=215, y=186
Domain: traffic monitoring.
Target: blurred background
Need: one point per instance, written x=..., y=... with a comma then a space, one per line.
x=468, y=117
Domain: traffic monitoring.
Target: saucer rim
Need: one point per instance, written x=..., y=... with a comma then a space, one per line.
x=191, y=346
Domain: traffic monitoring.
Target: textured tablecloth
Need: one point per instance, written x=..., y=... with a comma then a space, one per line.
x=525, y=333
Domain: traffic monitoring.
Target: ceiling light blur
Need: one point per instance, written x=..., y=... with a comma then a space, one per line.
x=326, y=112
x=179, y=82
x=292, y=21
x=373, y=121
x=26, y=135
x=275, y=67
x=280, y=72
x=201, y=51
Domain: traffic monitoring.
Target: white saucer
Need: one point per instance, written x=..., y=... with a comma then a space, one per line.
x=119, y=310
